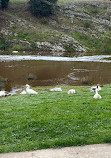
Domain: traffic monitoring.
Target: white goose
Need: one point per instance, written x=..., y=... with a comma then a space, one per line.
x=71, y=91
x=23, y=92
x=30, y=91
x=93, y=89
x=56, y=89
x=97, y=96
x=4, y=93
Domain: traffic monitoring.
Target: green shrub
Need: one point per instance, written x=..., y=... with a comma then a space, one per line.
x=94, y=11
x=70, y=49
x=3, y=44
x=23, y=35
x=106, y=45
x=4, y=3
x=43, y=21
x=87, y=24
x=41, y=7
x=19, y=47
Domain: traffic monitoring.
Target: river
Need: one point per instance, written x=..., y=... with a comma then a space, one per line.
x=54, y=71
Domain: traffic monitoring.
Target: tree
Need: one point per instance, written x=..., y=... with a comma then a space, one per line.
x=4, y=3
x=42, y=7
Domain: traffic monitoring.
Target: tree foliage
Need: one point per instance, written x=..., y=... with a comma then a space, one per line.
x=4, y=3
x=42, y=7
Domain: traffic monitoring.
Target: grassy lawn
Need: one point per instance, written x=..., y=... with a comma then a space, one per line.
x=54, y=119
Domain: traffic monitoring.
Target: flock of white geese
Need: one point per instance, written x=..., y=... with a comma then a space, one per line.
x=30, y=91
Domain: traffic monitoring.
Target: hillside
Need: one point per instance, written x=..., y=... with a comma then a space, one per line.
x=76, y=27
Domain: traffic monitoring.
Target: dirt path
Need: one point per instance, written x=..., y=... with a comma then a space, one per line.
x=88, y=151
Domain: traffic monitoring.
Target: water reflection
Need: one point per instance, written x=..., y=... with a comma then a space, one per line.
x=47, y=73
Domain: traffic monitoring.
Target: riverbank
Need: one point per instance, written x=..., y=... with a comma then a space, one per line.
x=76, y=27
x=54, y=119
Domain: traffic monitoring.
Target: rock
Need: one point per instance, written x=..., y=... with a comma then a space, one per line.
x=31, y=77
x=14, y=51
x=20, y=42
x=47, y=46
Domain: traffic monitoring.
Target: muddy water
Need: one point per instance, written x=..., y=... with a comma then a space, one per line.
x=47, y=72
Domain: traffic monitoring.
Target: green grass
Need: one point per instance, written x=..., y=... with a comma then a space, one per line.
x=54, y=119
x=32, y=36
x=87, y=40
x=96, y=44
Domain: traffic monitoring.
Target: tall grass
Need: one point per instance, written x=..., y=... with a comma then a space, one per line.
x=54, y=119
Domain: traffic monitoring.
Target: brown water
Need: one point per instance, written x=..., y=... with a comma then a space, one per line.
x=46, y=73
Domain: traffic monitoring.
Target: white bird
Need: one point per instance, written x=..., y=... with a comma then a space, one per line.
x=30, y=91
x=93, y=89
x=23, y=92
x=56, y=89
x=97, y=96
x=71, y=91
x=4, y=93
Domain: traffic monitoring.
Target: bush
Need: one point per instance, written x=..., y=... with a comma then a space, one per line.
x=3, y=44
x=106, y=45
x=43, y=21
x=87, y=24
x=42, y=7
x=18, y=47
x=4, y=3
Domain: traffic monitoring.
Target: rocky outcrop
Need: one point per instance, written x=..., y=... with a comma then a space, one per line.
x=94, y=13
x=65, y=42
x=20, y=42
x=58, y=42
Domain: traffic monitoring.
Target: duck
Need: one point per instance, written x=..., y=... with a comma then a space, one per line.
x=30, y=91
x=56, y=89
x=93, y=89
x=71, y=91
x=97, y=96
x=23, y=92
x=4, y=93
